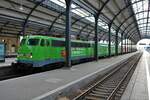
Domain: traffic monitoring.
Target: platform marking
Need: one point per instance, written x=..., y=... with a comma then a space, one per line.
x=73, y=69
x=147, y=72
x=53, y=80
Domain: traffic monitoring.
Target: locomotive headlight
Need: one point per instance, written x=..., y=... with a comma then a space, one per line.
x=20, y=55
x=29, y=55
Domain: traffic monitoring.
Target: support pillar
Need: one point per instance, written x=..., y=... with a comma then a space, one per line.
x=68, y=31
x=125, y=45
x=109, y=41
x=116, y=44
x=131, y=46
x=96, y=39
x=121, y=43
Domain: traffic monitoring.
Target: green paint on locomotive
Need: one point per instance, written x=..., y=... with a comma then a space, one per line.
x=39, y=48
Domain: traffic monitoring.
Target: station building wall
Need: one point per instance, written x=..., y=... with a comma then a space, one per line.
x=12, y=44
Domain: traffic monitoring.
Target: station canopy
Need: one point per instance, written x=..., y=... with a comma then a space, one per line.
x=127, y=18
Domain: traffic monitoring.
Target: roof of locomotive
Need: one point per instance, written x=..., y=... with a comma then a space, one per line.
x=56, y=38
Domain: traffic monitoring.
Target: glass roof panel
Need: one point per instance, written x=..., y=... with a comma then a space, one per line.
x=60, y=5
x=81, y=12
x=141, y=10
x=142, y=25
x=59, y=2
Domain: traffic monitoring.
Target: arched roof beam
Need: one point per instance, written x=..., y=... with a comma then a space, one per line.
x=128, y=19
x=133, y=35
x=85, y=6
x=93, y=30
x=131, y=24
x=80, y=31
x=101, y=36
x=100, y=10
x=62, y=13
x=96, y=15
x=80, y=19
x=112, y=39
x=124, y=8
x=32, y=10
x=148, y=15
x=134, y=18
x=5, y=24
x=134, y=28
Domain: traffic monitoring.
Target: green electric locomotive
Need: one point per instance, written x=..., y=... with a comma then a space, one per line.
x=37, y=51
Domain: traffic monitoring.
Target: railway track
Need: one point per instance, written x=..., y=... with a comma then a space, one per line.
x=9, y=73
x=111, y=86
x=6, y=73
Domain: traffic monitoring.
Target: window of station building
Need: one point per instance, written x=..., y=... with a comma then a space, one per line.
x=13, y=45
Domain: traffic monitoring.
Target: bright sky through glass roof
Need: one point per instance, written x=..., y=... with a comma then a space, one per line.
x=81, y=12
x=142, y=7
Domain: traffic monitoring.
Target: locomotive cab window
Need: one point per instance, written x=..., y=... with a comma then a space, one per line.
x=23, y=41
x=42, y=42
x=33, y=42
x=47, y=43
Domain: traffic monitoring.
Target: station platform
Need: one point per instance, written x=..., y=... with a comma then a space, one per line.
x=48, y=84
x=139, y=85
x=7, y=62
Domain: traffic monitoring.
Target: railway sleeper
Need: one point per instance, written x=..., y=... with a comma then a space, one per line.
x=102, y=90
x=106, y=88
x=93, y=98
x=110, y=83
x=120, y=91
x=99, y=95
x=98, y=92
x=109, y=86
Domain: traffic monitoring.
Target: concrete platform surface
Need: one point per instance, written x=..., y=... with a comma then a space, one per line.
x=138, y=86
x=37, y=86
x=7, y=62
